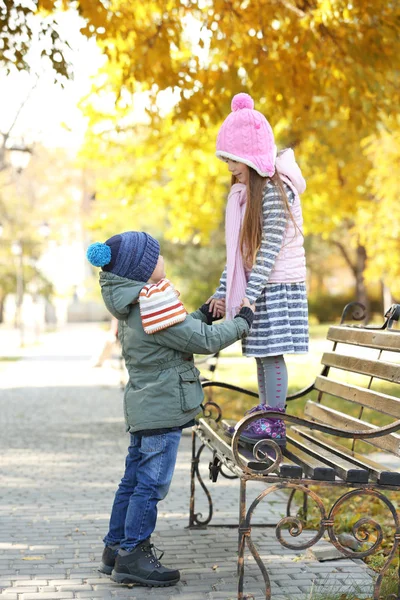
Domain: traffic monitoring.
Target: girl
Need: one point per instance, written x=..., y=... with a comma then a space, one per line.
x=265, y=255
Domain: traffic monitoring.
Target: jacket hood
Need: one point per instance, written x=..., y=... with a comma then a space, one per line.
x=287, y=166
x=119, y=293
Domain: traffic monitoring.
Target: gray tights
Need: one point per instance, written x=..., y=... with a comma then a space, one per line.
x=272, y=380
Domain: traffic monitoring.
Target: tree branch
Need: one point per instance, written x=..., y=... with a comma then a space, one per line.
x=6, y=135
x=345, y=255
x=297, y=11
x=21, y=107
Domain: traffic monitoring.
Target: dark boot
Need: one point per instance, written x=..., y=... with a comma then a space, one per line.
x=142, y=566
x=108, y=559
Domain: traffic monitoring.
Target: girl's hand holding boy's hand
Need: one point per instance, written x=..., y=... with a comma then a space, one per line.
x=217, y=306
x=247, y=311
x=246, y=302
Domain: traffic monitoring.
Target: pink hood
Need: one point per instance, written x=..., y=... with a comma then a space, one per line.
x=287, y=166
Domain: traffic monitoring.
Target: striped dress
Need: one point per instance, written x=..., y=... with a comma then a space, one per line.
x=281, y=318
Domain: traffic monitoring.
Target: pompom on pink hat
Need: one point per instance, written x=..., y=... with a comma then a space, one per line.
x=247, y=137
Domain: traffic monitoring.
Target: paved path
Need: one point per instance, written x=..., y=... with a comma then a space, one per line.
x=62, y=449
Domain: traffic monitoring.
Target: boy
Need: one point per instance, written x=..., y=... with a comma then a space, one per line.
x=163, y=394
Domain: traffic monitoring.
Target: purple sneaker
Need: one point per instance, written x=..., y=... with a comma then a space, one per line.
x=268, y=428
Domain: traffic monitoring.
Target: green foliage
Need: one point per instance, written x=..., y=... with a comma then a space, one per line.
x=328, y=309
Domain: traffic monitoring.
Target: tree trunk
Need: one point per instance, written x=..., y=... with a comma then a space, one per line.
x=361, y=290
x=2, y=298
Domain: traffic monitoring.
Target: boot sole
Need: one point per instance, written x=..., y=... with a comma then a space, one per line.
x=128, y=578
x=105, y=569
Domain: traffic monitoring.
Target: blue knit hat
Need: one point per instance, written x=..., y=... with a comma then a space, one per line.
x=133, y=254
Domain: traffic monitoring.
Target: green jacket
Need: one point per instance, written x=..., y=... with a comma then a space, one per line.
x=164, y=389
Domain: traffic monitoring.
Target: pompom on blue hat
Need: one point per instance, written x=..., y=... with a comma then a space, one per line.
x=132, y=254
x=99, y=254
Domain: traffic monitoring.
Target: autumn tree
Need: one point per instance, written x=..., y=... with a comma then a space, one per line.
x=324, y=72
x=380, y=226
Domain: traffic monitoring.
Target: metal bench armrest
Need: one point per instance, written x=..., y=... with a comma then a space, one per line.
x=300, y=393
x=235, y=388
x=228, y=386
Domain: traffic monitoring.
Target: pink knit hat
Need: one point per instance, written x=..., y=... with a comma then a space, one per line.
x=246, y=136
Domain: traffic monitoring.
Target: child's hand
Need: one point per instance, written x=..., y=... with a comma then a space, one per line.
x=246, y=302
x=217, y=306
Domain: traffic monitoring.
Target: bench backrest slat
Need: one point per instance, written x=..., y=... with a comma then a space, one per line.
x=329, y=416
x=380, y=340
x=378, y=401
x=373, y=368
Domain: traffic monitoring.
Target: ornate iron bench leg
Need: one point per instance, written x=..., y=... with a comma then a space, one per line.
x=195, y=518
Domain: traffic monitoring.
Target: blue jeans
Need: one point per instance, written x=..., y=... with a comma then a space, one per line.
x=149, y=467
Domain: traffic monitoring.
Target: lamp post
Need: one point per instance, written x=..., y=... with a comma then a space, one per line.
x=17, y=251
x=19, y=158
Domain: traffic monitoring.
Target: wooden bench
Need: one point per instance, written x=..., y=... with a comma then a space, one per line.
x=325, y=446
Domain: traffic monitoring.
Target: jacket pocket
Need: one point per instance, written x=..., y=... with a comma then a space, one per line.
x=190, y=389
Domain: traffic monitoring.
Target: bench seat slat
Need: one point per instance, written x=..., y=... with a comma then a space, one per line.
x=373, y=368
x=380, y=340
x=382, y=475
x=383, y=403
x=329, y=416
x=313, y=468
x=344, y=468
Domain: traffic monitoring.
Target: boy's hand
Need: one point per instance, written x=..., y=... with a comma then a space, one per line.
x=246, y=302
x=217, y=306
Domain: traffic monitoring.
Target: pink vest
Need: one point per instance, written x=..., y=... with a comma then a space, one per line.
x=290, y=264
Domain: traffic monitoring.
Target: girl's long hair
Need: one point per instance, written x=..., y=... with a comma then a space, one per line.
x=251, y=232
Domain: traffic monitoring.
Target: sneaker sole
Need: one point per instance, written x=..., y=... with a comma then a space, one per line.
x=105, y=569
x=128, y=578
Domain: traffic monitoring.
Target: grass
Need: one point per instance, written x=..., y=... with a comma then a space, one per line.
x=329, y=589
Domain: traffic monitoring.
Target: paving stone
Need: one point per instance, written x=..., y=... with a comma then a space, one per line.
x=20, y=590
x=48, y=596
x=94, y=595
x=73, y=588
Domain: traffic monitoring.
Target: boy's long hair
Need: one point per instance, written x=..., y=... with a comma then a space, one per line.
x=251, y=232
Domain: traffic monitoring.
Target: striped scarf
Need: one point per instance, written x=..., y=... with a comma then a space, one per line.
x=160, y=307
